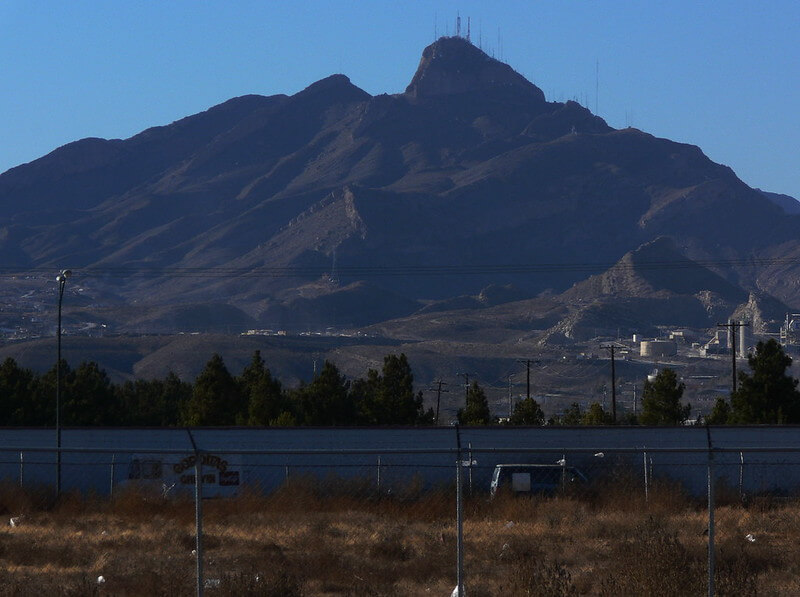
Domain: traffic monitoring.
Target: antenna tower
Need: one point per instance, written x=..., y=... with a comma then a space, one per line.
x=596, y=85
x=468, y=28
x=499, y=45
x=458, y=25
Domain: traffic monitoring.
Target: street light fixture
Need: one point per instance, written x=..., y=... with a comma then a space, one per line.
x=61, y=278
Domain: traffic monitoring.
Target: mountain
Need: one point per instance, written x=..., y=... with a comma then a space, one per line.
x=655, y=285
x=332, y=207
x=788, y=204
x=656, y=269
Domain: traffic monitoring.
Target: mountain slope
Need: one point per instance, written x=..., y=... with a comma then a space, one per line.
x=374, y=204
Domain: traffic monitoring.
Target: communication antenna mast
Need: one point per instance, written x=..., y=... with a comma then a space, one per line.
x=596, y=85
x=458, y=25
x=500, y=44
x=468, y=28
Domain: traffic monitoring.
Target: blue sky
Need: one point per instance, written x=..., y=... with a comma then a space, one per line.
x=721, y=75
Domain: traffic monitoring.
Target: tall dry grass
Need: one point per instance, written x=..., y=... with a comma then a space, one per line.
x=341, y=538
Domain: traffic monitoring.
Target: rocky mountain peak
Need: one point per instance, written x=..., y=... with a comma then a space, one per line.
x=335, y=88
x=452, y=65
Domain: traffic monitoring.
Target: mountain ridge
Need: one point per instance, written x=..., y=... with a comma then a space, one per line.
x=468, y=179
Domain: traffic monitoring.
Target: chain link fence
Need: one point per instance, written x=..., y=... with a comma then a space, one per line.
x=604, y=520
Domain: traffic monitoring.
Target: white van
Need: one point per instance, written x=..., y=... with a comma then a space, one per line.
x=545, y=479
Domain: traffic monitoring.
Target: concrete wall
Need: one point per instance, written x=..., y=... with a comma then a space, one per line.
x=379, y=453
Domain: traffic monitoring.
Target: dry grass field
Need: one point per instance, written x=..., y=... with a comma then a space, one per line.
x=335, y=539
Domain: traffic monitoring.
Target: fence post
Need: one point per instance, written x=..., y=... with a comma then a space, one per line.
x=379, y=475
x=198, y=519
x=646, y=479
x=286, y=471
x=741, y=476
x=21, y=469
x=111, y=487
x=470, y=467
x=711, y=554
x=198, y=512
x=459, y=518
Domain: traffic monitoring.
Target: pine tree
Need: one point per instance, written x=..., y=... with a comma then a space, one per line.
x=596, y=415
x=388, y=398
x=661, y=400
x=152, y=402
x=527, y=412
x=17, y=392
x=571, y=416
x=216, y=398
x=88, y=397
x=720, y=414
x=265, y=398
x=326, y=400
x=767, y=394
x=476, y=411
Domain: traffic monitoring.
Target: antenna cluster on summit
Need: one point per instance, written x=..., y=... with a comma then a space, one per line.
x=468, y=36
x=458, y=26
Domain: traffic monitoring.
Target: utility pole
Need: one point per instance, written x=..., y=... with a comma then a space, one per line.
x=527, y=363
x=510, y=396
x=733, y=329
x=466, y=382
x=439, y=392
x=466, y=386
x=611, y=348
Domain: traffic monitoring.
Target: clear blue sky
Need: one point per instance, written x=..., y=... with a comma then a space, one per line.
x=721, y=75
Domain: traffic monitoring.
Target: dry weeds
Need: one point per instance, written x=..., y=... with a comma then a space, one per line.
x=338, y=538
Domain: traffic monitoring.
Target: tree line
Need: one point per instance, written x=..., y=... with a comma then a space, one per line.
x=217, y=398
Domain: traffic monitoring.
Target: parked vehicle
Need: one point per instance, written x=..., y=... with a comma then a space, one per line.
x=545, y=479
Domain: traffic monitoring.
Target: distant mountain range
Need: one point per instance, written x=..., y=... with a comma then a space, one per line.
x=332, y=207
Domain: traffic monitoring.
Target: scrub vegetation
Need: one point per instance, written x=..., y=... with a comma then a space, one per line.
x=341, y=538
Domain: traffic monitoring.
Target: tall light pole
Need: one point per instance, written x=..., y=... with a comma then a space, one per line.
x=61, y=278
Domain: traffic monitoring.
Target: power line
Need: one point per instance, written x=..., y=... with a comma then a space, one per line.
x=415, y=270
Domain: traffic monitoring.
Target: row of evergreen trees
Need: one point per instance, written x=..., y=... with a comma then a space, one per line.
x=386, y=397
x=216, y=398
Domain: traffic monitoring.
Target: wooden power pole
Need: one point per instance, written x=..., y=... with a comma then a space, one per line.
x=733, y=326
